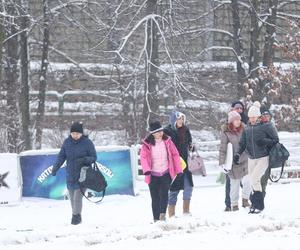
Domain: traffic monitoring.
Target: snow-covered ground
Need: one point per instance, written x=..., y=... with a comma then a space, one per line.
x=124, y=222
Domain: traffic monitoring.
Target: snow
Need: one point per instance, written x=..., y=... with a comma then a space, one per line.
x=124, y=222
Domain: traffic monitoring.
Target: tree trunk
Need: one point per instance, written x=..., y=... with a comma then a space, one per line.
x=254, y=43
x=241, y=72
x=24, y=96
x=151, y=100
x=270, y=33
x=43, y=77
x=11, y=83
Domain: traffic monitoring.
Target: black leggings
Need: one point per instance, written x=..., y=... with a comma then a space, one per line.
x=159, y=190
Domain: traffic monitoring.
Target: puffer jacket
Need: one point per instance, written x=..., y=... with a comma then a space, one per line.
x=174, y=165
x=228, y=136
x=71, y=151
x=258, y=139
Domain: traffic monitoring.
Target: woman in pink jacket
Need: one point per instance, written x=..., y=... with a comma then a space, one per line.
x=160, y=161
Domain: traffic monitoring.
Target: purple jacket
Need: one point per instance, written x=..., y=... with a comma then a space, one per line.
x=173, y=159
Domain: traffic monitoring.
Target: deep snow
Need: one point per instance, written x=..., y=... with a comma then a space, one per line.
x=124, y=222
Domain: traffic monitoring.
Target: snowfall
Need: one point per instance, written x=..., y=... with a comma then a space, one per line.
x=125, y=222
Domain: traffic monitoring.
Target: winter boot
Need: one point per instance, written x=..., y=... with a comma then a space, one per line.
x=171, y=210
x=162, y=217
x=257, y=201
x=76, y=219
x=235, y=208
x=227, y=209
x=245, y=203
x=186, y=206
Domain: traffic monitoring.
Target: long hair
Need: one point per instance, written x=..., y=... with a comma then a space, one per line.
x=151, y=140
x=232, y=129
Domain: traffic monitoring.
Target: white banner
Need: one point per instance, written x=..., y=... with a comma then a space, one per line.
x=10, y=179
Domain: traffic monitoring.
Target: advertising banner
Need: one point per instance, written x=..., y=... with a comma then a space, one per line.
x=114, y=163
x=10, y=179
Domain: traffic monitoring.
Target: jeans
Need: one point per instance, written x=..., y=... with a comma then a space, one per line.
x=227, y=192
x=187, y=192
x=159, y=190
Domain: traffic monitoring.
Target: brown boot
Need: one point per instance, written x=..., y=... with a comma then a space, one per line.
x=171, y=210
x=235, y=208
x=162, y=217
x=245, y=203
x=186, y=207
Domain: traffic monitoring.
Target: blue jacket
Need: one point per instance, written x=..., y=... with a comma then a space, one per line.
x=71, y=151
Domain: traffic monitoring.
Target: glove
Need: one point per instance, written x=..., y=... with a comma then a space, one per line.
x=80, y=162
x=147, y=173
x=53, y=172
x=236, y=159
x=179, y=175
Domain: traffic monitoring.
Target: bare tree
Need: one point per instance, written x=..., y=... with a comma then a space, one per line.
x=43, y=75
x=24, y=64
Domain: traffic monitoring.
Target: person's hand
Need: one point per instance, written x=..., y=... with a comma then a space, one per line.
x=53, y=172
x=236, y=159
x=224, y=169
x=179, y=175
x=147, y=173
x=80, y=162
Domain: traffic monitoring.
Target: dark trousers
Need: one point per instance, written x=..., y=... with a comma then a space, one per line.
x=159, y=190
x=227, y=192
x=264, y=181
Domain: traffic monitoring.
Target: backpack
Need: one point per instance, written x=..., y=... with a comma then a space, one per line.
x=277, y=157
x=92, y=178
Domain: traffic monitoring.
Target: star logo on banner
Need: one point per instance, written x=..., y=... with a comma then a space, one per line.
x=2, y=180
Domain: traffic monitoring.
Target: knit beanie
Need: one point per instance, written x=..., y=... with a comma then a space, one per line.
x=155, y=127
x=237, y=104
x=254, y=110
x=233, y=115
x=77, y=127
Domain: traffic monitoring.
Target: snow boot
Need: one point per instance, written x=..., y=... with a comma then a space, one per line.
x=257, y=200
x=171, y=210
x=162, y=217
x=235, y=208
x=227, y=209
x=245, y=203
x=186, y=206
x=76, y=219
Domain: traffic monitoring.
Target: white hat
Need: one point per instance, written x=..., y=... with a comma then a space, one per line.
x=254, y=110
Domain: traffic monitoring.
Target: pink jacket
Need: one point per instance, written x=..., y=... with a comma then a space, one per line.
x=173, y=156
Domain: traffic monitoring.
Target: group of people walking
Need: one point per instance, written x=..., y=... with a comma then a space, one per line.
x=164, y=150
x=252, y=138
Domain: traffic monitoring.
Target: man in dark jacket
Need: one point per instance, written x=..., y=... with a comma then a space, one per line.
x=78, y=151
x=181, y=137
x=257, y=139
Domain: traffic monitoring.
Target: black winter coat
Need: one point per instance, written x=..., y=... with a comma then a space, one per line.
x=183, y=149
x=258, y=139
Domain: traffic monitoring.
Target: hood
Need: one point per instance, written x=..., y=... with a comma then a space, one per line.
x=173, y=118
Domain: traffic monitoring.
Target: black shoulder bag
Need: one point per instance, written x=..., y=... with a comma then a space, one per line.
x=92, y=178
x=277, y=158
